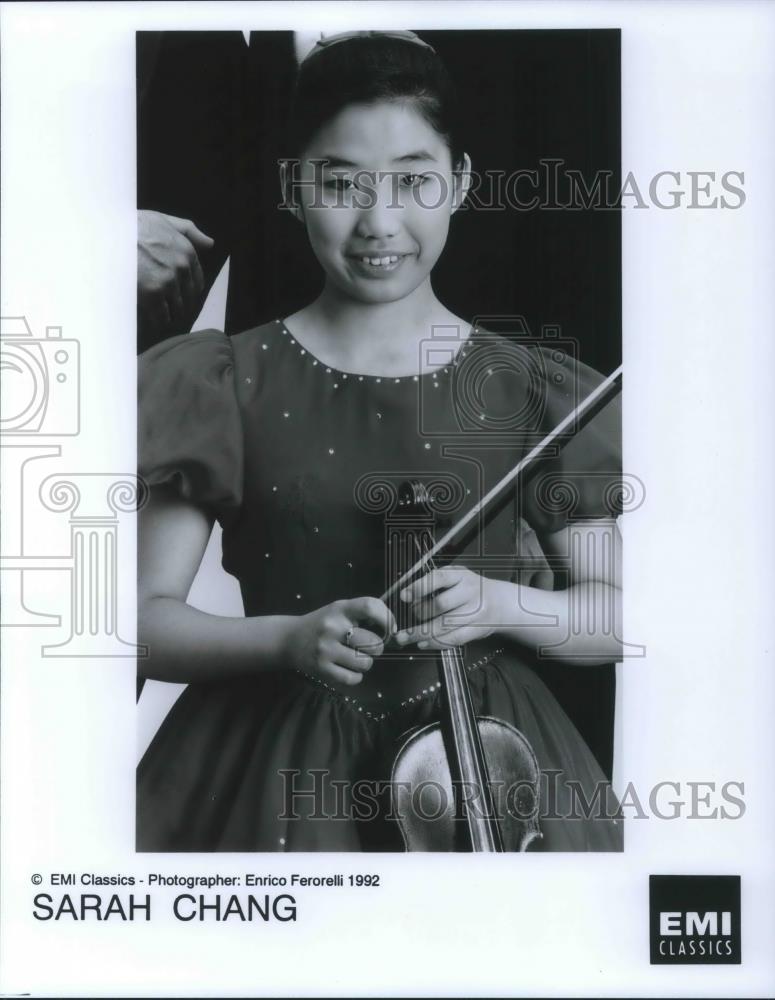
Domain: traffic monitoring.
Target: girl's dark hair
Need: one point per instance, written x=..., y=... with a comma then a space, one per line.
x=367, y=69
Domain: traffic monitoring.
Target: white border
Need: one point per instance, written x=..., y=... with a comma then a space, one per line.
x=697, y=86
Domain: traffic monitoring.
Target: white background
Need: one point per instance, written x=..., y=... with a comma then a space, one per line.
x=698, y=81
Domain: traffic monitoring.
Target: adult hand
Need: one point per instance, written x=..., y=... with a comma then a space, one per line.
x=169, y=274
x=452, y=606
x=331, y=644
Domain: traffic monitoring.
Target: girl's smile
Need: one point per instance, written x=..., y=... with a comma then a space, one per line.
x=377, y=266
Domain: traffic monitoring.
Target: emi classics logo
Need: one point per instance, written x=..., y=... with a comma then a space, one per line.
x=694, y=919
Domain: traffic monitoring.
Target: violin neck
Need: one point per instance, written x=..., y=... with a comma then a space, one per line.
x=463, y=744
x=465, y=752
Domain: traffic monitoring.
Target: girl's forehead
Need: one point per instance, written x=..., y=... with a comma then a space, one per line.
x=388, y=133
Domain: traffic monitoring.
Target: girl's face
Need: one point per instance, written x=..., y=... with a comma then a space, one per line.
x=376, y=195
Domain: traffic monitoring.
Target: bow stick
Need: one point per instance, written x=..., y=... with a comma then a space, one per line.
x=581, y=415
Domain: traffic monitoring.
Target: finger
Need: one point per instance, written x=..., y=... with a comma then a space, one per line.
x=344, y=676
x=437, y=579
x=188, y=269
x=352, y=659
x=433, y=628
x=454, y=600
x=200, y=240
x=366, y=641
x=441, y=603
x=414, y=635
x=187, y=228
x=371, y=609
x=410, y=637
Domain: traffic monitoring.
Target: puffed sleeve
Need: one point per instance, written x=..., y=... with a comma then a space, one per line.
x=585, y=479
x=189, y=425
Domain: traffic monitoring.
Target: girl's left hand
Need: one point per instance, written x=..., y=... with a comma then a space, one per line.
x=452, y=606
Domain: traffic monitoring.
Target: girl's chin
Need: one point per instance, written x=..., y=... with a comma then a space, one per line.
x=376, y=296
x=379, y=291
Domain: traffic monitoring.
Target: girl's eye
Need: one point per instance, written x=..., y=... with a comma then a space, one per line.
x=339, y=184
x=413, y=180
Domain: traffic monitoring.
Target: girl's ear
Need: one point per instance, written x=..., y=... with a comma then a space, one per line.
x=288, y=171
x=461, y=180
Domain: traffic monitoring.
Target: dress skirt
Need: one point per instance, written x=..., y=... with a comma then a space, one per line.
x=270, y=765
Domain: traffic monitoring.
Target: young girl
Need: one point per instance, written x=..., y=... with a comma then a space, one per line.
x=295, y=436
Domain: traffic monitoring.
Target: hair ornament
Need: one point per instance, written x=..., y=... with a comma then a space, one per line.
x=326, y=41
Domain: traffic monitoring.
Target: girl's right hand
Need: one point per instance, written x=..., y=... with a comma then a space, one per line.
x=330, y=644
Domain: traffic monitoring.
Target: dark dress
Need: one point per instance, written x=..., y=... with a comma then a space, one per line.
x=301, y=465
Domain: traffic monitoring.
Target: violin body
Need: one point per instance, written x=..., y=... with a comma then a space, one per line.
x=431, y=807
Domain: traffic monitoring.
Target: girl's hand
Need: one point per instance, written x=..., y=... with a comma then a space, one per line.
x=453, y=606
x=330, y=644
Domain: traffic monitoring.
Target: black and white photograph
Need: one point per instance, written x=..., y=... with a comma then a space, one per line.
x=385, y=441
x=382, y=408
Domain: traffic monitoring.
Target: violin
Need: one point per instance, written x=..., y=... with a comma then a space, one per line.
x=471, y=762
x=462, y=758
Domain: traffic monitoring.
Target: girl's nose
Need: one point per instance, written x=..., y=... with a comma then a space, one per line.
x=379, y=215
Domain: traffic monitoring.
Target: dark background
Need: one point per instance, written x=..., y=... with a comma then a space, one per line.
x=211, y=116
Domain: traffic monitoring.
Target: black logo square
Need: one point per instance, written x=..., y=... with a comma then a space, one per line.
x=694, y=919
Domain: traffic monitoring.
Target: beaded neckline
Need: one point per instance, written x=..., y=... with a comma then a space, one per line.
x=315, y=362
